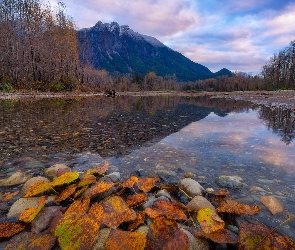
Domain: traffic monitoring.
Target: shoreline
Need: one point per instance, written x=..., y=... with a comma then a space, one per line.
x=285, y=98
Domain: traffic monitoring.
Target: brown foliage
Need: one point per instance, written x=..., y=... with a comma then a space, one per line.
x=116, y=211
x=233, y=207
x=167, y=209
x=122, y=240
x=146, y=184
x=164, y=234
x=8, y=229
x=136, y=199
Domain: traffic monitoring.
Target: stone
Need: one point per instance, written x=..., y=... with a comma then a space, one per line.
x=257, y=189
x=115, y=176
x=102, y=238
x=190, y=187
x=199, y=202
x=15, y=179
x=229, y=181
x=143, y=229
x=141, y=173
x=196, y=243
x=273, y=204
x=56, y=170
x=189, y=175
x=30, y=183
x=163, y=193
x=23, y=203
x=43, y=219
x=151, y=201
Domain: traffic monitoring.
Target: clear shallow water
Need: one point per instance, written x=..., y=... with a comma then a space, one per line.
x=161, y=135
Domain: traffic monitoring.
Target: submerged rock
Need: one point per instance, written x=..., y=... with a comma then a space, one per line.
x=229, y=181
x=190, y=187
x=273, y=204
x=196, y=243
x=16, y=179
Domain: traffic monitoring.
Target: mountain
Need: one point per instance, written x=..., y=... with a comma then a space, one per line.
x=119, y=49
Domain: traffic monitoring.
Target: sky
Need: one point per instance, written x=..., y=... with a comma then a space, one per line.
x=240, y=35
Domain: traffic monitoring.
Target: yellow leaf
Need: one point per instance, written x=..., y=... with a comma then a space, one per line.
x=38, y=188
x=209, y=221
x=65, y=178
x=29, y=214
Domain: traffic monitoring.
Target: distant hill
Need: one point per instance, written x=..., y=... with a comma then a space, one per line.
x=119, y=49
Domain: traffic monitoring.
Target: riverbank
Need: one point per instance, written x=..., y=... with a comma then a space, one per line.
x=284, y=98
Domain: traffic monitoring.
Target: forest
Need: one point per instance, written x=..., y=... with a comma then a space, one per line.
x=40, y=52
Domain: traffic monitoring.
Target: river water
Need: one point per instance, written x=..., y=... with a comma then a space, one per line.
x=163, y=135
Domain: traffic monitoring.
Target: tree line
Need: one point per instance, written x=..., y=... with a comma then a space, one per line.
x=39, y=50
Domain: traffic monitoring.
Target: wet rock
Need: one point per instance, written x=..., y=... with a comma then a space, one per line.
x=163, y=193
x=24, y=203
x=189, y=175
x=257, y=189
x=141, y=173
x=199, y=202
x=273, y=204
x=233, y=229
x=43, y=219
x=115, y=176
x=151, y=201
x=229, y=181
x=190, y=187
x=56, y=170
x=15, y=179
x=196, y=243
x=165, y=173
x=102, y=238
x=30, y=183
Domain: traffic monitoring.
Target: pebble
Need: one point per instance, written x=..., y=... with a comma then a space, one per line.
x=102, y=238
x=199, y=202
x=196, y=243
x=163, y=193
x=52, y=172
x=229, y=181
x=272, y=203
x=190, y=187
x=23, y=203
x=115, y=176
x=189, y=175
x=15, y=179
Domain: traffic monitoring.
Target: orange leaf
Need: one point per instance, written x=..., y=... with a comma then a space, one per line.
x=209, y=221
x=28, y=240
x=136, y=199
x=8, y=229
x=256, y=236
x=167, y=209
x=116, y=211
x=96, y=211
x=122, y=240
x=233, y=207
x=100, y=187
x=29, y=214
x=38, y=188
x=80, y=192
x=9, y=196
x=65, y=178
x=221, y=236
x=140, y=217
x=98, y=170
x=164, y=234
x=66, y=193
x=146, y=184
x=81, y=205
x=86, y=180
x=129, y=183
